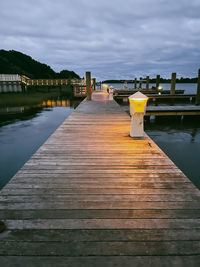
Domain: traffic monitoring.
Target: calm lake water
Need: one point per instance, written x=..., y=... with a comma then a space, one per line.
x=180, y=140
x=23, y=131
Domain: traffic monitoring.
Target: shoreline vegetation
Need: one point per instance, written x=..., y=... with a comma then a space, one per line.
x=14, y=62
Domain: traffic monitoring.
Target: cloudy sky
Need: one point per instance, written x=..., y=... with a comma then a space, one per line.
x=111, y=38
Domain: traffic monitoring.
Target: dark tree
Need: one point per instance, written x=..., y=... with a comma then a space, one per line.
x=14, y=62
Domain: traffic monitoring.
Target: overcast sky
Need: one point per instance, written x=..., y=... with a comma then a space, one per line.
x=110, y=38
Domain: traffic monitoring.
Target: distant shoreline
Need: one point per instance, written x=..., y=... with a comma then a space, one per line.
x=150, y=81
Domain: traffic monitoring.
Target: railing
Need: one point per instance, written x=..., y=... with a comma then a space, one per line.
x=79, y=91
x=53, y=82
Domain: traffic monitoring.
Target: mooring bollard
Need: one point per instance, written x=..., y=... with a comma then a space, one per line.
x=138, y=103
x=173, y=84
x=88, y=85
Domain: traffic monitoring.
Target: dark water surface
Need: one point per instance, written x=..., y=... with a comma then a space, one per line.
x=23, y=132
x=180, y=140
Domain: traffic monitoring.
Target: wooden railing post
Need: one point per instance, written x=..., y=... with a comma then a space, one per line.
x=173, y=83
x=157, y=81
x=198, y=89
x=147, y=83
x=88, y=85
x=135, y=84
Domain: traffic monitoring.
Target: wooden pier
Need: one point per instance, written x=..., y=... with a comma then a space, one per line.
x=94, y=196
x=173, y=98
x=178, y=110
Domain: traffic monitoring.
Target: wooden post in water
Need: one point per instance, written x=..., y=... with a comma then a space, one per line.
x=157, y=81
x=135, y=84
x=140, y=83
x=94, y=84
x=88, y=85
x=198, y=89
x=147, y=83
x=173, y=83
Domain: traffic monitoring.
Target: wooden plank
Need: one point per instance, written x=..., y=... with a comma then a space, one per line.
x=176, y=110
x=96, y=191
x=70, y=235
x=80, y=185
x=51, y=179
x=102, y=175
x=163, y=96
x=102, y=205
x=85, y=248
x=99, y=261
x=103, y=224
x=102, y=214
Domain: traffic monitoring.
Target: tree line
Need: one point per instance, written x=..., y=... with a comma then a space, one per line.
x=14, y=62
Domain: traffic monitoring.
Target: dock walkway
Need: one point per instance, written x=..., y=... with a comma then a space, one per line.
x=94, y=196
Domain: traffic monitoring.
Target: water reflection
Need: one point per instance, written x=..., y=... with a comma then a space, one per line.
x=194, y=134
x=56, y=103
x=9, y=110
x=179, y=138
x=60, y=103
x=11, y=114
x=24, y=129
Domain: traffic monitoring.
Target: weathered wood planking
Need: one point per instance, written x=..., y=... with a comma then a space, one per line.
x=93, y=196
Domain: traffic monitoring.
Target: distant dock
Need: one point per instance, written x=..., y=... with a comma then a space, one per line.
x=93, y=196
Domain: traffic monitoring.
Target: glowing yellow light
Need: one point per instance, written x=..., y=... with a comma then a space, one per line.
x=137, y=103
x=138, y=99
x=48, y=102
x=59, y=103
x=53, y=103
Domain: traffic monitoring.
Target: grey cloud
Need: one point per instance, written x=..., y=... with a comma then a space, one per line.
x=113, y=39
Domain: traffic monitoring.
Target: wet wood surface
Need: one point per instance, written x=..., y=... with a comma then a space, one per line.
x=93, y=196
